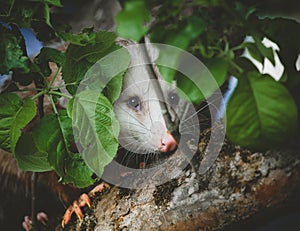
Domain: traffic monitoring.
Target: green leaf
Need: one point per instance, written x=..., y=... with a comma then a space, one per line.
x=53, y=135
x=107, y=123
x=29, y=158
x=48, y=149
x=103, y=41
x=70, y=107
x=131, y=21
x=11, y=52
x=80, y=58
x=73, y=72
x=24, y=79
x=78, y=173
x=14, y=115
x=96, y=129
x=85, y=37
x=47, y=55
x=261, y=113
x=113, y=89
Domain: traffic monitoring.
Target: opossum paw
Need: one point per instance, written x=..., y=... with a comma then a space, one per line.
x=76, y=208
x=98, y=188
x=41, y=217
x=83, y=200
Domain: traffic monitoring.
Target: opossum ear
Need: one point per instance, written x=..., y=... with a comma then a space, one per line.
x=153, y=53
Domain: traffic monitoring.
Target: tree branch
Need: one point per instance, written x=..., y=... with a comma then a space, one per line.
x=239, y=185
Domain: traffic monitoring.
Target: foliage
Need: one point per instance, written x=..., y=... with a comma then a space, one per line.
x=261, y=112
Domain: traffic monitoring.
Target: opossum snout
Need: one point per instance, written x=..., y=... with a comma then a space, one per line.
x=167, y=143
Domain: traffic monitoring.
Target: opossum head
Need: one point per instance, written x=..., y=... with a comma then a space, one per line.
x=140, y=110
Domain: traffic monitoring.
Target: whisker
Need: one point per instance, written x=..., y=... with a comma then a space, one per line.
x=201, y=109
x=133, y=133
x=134, y=124
x=129, y=144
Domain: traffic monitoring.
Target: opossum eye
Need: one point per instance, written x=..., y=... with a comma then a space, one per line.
x=173, y=98
x=134, y=103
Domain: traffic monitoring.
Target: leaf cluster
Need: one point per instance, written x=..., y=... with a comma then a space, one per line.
x=51, y=143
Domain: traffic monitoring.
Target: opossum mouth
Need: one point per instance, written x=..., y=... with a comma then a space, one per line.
x=137, y=160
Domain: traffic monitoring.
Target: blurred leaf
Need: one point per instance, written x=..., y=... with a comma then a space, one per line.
x=190, y=89
x=254, y=52
x=180, y=37
x=218, y=68
x=261, y=113
x=267, y=52
x=50, y=2
x=288, y=45
x=6, y=7
x=131, y=21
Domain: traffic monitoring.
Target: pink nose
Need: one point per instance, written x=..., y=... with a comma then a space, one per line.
x=168, y=143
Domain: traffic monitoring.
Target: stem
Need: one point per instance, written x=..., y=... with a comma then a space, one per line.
x=53, y=105
x=60, y=94
x=65, y=85
x=54, y=77
x=33, y=200
x=38, y=94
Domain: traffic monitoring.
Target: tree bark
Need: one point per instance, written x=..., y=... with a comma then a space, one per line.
x=239, y=185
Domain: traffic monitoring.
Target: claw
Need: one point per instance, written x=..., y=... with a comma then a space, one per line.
x=77, y=210
x=67, y=216
x=83, y=200
x=41, y=217
x=27, y=223
x=98, y=188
